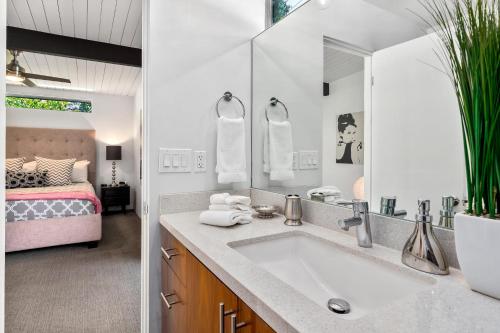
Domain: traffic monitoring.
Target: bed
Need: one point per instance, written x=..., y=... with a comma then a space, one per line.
x=55, y=215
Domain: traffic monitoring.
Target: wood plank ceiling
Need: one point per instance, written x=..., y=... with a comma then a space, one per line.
x=338, y=64
x=110, y=21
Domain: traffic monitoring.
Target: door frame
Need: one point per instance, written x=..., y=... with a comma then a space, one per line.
x=145, y=172
x=368, y=83
x=3, y=29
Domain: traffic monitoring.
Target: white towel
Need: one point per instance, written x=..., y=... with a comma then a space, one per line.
x=218, y=198
x=229, y=207
x=231, y=150
x=266, y=162
x=225, y=218
x=332, y=193
x=278, y=150
x=238, y=199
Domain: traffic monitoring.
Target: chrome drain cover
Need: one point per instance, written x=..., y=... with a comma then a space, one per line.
x=338, y=305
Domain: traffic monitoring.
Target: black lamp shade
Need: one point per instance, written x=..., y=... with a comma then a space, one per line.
x=113, y=153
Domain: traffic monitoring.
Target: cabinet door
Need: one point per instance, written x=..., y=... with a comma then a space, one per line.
x=248, y=321
x=174, y=302
x=205, y=294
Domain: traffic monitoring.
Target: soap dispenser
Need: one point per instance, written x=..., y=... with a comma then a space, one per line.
x=422, y=251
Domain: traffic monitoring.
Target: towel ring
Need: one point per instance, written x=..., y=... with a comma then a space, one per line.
x=228, y=96
x=274, y=102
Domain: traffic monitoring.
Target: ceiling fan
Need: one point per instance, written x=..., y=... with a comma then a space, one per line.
x=16, y=73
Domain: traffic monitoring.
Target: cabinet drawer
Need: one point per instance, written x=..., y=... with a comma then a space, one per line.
x=115, y=201
x=116, y=192
x=173, y=299
x=252, y=322
x=116, y=196
x=174, y=254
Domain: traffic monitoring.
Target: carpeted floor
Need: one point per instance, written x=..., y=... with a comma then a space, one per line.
x=72, y=289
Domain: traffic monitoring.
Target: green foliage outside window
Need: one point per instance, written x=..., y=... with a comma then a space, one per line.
x=47, y=104
x=281, y=8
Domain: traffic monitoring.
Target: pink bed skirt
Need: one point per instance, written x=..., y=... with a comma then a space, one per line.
x=52, y=232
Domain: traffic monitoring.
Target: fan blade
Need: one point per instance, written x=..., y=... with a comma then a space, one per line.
x=29, y=83
x=45, y=77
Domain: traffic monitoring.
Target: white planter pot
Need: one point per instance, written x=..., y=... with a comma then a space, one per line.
x=477, y=240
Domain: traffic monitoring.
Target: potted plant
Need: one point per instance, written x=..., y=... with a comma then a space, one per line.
x=469, y=33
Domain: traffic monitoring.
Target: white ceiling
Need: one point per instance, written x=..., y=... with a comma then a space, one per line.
x=85, y=75
x=338, y=64
x=411, y=10
x=110, y=21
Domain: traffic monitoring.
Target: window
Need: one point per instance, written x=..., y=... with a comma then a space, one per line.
x=44, y=103
x=281, y=8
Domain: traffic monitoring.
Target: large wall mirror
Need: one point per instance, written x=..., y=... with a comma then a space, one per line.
x=349, y=102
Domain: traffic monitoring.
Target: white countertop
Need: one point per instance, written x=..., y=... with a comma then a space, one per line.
x=447, y=306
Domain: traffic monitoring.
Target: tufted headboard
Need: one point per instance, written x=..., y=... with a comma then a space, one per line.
x=52, y=143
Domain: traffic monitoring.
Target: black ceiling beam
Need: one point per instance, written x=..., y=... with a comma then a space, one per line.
x=58, y=45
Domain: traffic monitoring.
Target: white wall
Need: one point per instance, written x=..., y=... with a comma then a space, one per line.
x=112, y=117
x=417, y=141
x=288, y=65
x=196, y=50
x=346, y=96
x=137, y=140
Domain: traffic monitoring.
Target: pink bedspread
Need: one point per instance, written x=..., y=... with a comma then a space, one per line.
x=58, y=196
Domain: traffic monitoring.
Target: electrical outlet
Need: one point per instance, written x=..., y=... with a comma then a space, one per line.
x=200, y=161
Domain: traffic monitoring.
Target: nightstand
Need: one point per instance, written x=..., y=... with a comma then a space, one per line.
x=115, y=196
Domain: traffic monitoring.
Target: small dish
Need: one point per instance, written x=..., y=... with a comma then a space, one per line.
x=265, y=211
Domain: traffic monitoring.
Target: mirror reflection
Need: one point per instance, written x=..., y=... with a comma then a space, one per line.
x=350, y=102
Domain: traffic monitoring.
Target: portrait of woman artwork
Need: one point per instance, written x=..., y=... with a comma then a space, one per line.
x=350, y=128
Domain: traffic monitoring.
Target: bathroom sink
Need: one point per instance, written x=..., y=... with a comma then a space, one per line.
x=322, y=270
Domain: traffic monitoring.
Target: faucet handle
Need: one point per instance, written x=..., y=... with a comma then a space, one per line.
x=358, y=206
x=345, y=224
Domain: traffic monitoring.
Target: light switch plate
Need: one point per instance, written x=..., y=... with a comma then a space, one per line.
x=308, y=159
x=175, y=160
x=200, y=161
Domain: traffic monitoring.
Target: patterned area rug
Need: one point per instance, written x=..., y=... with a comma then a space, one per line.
x=75, y=289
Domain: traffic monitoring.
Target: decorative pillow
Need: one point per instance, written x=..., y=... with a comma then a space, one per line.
x=14, y=164
x=58, y=171
x=80, y=172
x=30, y=166
x=16, y=179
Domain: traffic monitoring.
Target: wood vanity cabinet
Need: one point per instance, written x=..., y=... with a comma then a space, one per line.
x=193, y=298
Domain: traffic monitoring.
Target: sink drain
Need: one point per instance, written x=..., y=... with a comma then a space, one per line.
x=338, y=305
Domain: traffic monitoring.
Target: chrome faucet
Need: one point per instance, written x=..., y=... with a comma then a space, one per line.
x=388, y=207
x=361, y=221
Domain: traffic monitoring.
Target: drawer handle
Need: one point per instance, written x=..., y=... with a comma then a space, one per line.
x=168, y=255
x=165, y=299
x=222, y=314
x=235, y=326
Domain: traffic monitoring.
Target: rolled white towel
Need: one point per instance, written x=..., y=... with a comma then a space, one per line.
x=244, y=219
x=223, y=207
x=225, y=218
x=238, y=200
x=333, y=199
x=218, y=198
x=229, y=207
x=327, y=191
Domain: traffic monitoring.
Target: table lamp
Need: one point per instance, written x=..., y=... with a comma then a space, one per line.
x=113, y=153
